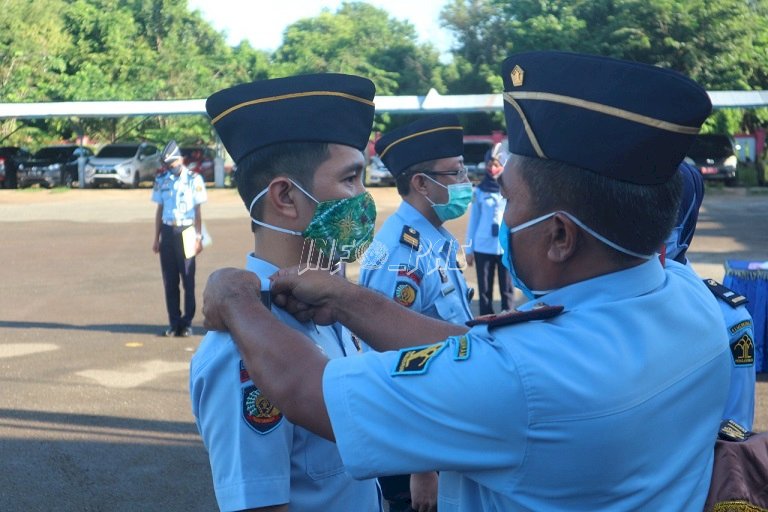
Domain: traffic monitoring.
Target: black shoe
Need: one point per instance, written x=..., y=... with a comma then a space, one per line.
x=184, y=332
x=168, y=332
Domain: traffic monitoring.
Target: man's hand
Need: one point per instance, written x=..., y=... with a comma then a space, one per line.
x=424, y=492
x=470, y=257
x=309, y=295
x=156, y=246
x=226, y=286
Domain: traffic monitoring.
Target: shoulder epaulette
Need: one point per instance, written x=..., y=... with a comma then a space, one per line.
x=515, y=317
x=410, y=237
x=727, y=295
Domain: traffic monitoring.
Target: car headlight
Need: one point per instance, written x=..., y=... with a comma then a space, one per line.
x=731, y=161
x=124, y=171
x=54, y=167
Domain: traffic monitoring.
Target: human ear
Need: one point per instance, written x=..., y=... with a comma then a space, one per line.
x=280, y=196
x=563, y=239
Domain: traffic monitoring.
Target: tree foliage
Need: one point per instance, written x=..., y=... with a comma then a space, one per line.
x=56, y=50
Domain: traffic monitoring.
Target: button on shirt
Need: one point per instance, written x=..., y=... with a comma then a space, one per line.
x=257, y=457
x=612, y=405
x=179, y=195
x=429, y=274
x=486, y=211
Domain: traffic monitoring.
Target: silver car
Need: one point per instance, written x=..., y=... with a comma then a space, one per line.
x=123, y=165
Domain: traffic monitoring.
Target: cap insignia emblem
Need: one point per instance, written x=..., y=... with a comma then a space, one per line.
x=517, y=76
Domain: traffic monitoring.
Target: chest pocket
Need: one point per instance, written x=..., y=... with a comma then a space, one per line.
x=450, y=308
x=323, y=459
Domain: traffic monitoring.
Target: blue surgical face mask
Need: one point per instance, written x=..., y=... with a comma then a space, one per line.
x=507, y=259
x=459, y=197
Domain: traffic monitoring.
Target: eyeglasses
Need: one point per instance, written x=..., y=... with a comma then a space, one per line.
x=461, y=174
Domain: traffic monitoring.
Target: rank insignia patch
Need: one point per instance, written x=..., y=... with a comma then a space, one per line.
x=416, y=360
x=410, y=237
x=540, y=312
x=412, y=273
x=258, y=411
x=405, y=294
x=743, y=351
x=727, y=295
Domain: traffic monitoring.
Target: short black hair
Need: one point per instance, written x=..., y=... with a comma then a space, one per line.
x=295, y=160
x=403, y=180
x=636, y=217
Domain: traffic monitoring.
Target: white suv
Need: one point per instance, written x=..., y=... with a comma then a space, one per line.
x=123, y=164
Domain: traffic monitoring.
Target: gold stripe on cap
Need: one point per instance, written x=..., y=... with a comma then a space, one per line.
x=603, y=109
x=417, y=134
x=289, y=97
x=528, y=130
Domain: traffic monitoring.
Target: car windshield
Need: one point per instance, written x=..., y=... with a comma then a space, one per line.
x=52, y=153
x=117, y=152
x=710, y=147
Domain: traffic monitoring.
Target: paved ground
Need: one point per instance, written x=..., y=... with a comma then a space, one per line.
x=94, y=414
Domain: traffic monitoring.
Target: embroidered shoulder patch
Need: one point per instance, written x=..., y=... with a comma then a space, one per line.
x=410, y=272
x=743, y=350
x=515, y=317
x=727, y=295
x=462, y=348
x=405, y=294
x=258, y=412
x=744, y=324
x=416, y=360
x=410, y=237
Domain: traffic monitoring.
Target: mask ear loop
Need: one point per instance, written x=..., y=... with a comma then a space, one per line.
x=270, y=226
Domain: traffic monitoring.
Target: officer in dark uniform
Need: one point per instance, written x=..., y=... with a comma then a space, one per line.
x=178, y=235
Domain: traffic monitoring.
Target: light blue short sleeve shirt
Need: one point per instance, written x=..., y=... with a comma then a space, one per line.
x=417, y=269
x=612, y=405
x=179, y=195
x=257, y=457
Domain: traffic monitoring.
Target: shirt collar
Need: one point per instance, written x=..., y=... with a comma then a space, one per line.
x=631, y=282
x=261, y=268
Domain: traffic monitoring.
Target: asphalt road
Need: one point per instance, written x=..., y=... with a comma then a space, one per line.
x=94, y=413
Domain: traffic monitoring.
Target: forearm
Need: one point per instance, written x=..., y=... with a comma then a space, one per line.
x=386, y=325
x=158, y=221
x=286, y=365
x=198, y=220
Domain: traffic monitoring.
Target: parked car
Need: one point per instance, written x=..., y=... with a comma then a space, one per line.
x=376, y=173
x=123, y=164
x=715, y=156
x=52, y=166
x=202, y=160
x=10, y=156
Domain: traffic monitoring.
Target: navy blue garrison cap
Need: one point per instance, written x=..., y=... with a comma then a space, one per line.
x=625, y=120
x=325, y=107
x=429, y=138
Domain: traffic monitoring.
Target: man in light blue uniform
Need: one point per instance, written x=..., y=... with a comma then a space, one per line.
x=290, y=174
x=179, y=195
x=740, y=406
x=603, y=392
x=413, y=258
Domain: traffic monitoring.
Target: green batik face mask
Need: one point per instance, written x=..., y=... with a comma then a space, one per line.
x=341, y=229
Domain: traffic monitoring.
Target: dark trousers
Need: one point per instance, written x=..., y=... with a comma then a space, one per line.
x=487, y=265
x=176, y=268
